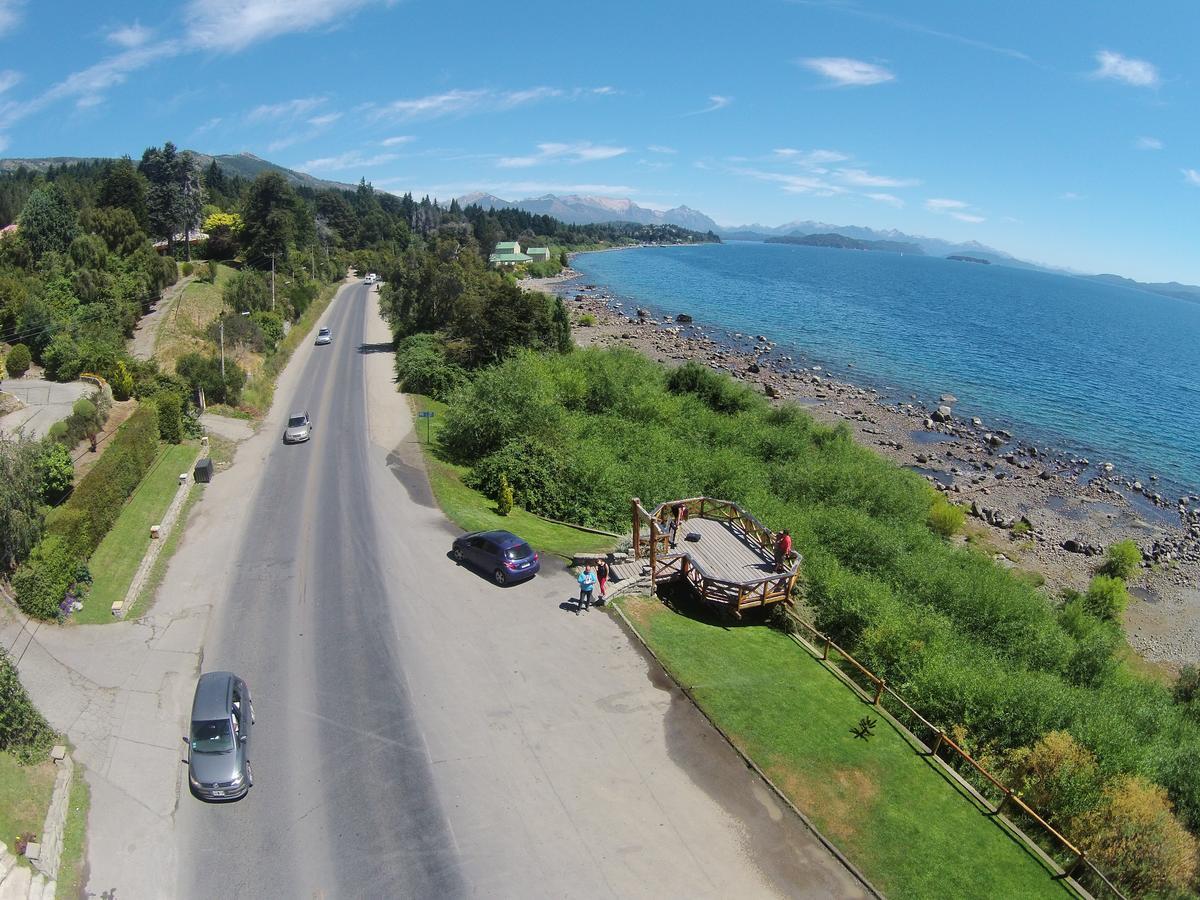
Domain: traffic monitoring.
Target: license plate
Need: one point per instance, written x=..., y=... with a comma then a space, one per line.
x=218, y=793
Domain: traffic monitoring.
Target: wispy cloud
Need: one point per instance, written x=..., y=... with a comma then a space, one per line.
x=1116, y=67
x=1192, y=177
x=954, y=208
x=582, y=151
x=231, y=25
x=1070, y=195
x=796, y=184
x=288, y=109
x=1148, y=143
x=325, y=120
x=351, y=159
x=863, y=178
x=606, y=90
x=810, y=159
x=397, y=140
x=317, y=125
x=10, y=15
x=130, y=36
x=659, y=148
x=889, y=199
x=206, y=126
x=715, y=102
x=460, y=102
x=8, y=79
x=842, y=71
x=518, y=189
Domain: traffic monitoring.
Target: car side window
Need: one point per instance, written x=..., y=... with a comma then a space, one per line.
x=490, y=549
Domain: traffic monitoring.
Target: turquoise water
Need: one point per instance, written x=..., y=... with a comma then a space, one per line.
x=1090, y=369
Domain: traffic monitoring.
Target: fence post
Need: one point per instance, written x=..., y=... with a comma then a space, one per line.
x=1008, y=795
x=637, y=529
x=937, y=744
x=825, y=651
x=879, y=686
x=1075, y=865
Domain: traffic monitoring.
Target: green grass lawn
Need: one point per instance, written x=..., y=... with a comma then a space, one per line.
x=183, y=326
x=72, y=863
x=472, y=511
x=116, y=560
x=891, y=811
x=24, y=798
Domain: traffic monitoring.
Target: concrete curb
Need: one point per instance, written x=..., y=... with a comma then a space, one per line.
x=825, y=842
x=56, y=818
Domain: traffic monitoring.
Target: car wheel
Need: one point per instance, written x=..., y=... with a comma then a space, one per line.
x=499, y=577
x=249, y=775
x=457, y=554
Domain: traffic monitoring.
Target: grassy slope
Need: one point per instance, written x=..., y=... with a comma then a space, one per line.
x=182, y=331
x=24, y=797
x=116, y=560
x=71, y=864
x=888, y=809
x=472, y=511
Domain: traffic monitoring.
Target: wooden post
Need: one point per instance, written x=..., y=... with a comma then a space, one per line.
x=653, y=551
x=1075, y=865
x=700, y=514
x=879, y=690
x=937, y=744
x=1003, y=802
x=825, y=652
x=637, y=529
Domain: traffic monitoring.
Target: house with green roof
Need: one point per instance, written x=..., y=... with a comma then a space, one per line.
x=539, y=254
x=508, y=253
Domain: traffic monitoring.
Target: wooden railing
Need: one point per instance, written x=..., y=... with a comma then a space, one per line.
x=668, y=565
x=1064, y=856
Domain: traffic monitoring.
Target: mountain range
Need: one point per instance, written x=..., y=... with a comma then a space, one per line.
x=582, y=210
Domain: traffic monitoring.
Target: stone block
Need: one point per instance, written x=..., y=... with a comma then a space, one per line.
x=57, y=752
x=33, y=851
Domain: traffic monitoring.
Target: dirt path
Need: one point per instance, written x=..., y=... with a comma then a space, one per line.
x=141, y=345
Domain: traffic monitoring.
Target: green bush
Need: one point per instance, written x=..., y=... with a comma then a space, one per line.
x=54, y=465
x=204, y=373
x=24, y=732
x=18, y=361
x=720, y=392
x=1106, y=597
x=170, y=416
x=186, y=269
x=587, y=320
x=946, y=518
x=422, y=367
x=504, y=503
x=122, y=382
x=1122, y=560
x=57, y=431
x=42, y=580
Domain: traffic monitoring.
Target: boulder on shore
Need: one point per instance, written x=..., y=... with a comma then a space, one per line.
x=942, y=414
x=683, y=319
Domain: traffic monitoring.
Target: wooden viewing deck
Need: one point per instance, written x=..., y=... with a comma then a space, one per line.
x=731, y=566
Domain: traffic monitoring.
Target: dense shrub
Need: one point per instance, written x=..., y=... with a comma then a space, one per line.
x=1057, y=777
x=1122, y=560
x=186, y=269
x=204, y=373
x=246, y=291
x=57, y=472
x=422, y=367
x=720, y=392
x=945, y=517
x=122, y=381
x=42, y=580
x=504, y=503
x=23, y=730
x=170, y=416
x=18, y=361
x=1106, y=597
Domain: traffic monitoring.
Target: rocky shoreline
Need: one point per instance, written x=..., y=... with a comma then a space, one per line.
x=1032, y=508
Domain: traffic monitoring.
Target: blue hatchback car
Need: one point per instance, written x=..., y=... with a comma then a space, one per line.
x=507, y=557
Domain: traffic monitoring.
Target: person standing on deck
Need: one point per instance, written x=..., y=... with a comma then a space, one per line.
x=602, y=579
x=677, y=520
x=783, y=549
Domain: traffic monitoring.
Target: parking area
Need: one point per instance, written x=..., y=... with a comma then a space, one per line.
x=45, y=402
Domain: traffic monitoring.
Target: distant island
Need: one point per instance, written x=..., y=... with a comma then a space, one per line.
x=974, y=259
x=841, y=242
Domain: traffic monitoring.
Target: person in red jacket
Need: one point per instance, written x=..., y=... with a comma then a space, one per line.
x=783, y=549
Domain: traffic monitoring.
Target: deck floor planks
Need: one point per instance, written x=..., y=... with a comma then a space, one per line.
x=723, y=552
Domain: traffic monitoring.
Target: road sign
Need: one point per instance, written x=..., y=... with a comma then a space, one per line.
x=426, y=415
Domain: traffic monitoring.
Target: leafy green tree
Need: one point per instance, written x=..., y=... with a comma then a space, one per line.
x=1106, y=597
x=20, y=499
x=174, y=197
x=122, y=381
x=18, y=361
x=62, y=359
x=204, y=373
x=47, y=221
x=504, y=503
x=170, y=416
x=57, y=472
x=124, y=188
x=87, y=414
x=269, y=217
x=246, y=291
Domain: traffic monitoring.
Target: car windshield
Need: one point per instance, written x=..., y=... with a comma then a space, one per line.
x=214, y=736
x=323, y=331
x=521, y=551
x=296, y=422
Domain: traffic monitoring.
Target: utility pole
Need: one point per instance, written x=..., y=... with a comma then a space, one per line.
x=272, y=282
x=222, y=349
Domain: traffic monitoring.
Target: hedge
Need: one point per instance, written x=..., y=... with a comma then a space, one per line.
x=23, y=730
x=76, y=528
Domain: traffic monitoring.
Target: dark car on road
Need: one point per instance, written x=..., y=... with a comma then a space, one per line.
x=219, y=737
x=505, y=556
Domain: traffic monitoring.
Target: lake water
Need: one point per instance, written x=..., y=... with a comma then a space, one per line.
x=1096, y=370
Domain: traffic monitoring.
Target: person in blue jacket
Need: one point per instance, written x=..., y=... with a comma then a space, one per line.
x=587, y=584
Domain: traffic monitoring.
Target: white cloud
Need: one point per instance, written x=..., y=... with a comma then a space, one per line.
x=810, y=159
x=1148, y=143
x=510, y=99
x=8, y=79
x=396, y=141
x=715, y=102
x=659, y=148
x=967, y=217
x=796, y=184
x=351, y=159
x=846, y=72
x=527, y=188
x=10, y=15
x=956, y=209
x=288, y=109
x=207, y=126
x=130, y=36
x=862, y=178
x=605, y=91
x=1191, y=176
x=939, y=205
x=231, y=25
x=1070, y=195
x=654, y=164
x=889, y=199
x=325, y=120
x=1136, y=72
x=460, y=102
x=582, y=151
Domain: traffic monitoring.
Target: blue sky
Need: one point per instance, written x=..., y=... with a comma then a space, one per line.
x=1061, y=132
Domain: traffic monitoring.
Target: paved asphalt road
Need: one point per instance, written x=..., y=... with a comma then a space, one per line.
x=424, y=733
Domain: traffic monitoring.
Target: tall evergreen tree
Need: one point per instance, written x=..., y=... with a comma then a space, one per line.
x=47, y=221
x=269, y=218
x=124, y=188
x=164, y=200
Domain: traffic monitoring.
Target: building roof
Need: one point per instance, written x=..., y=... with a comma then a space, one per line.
x=539, y=250
x=508, y=247
x=509, y=257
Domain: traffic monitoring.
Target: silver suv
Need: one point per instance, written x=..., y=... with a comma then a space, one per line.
x=299, y=428
x=219, y=738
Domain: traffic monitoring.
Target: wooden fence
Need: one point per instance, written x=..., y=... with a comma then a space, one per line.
x=990, y=792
